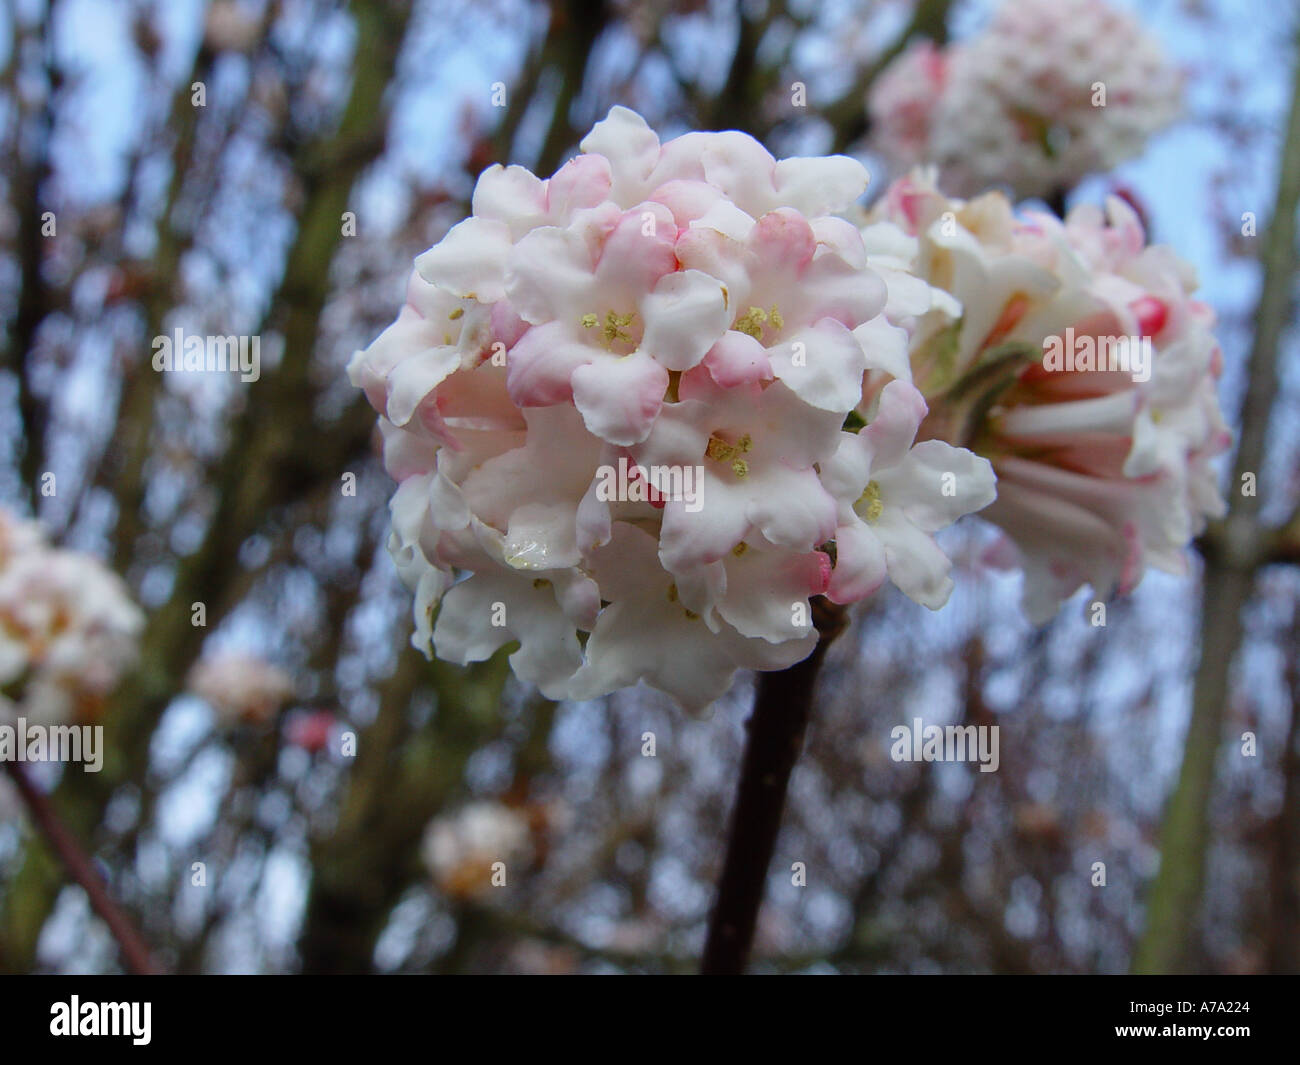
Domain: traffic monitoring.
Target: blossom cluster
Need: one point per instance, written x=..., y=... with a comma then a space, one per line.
x=1049, y=92
x=461, y=847
x=1102, y=470
x=240, y=687
x=68, y=628
x=694, y=306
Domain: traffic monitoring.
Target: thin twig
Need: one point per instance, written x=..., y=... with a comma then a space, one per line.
x=134, y=951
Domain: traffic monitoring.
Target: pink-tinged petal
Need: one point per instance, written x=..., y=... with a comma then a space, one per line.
x=885, y=347
x=470, y=400
x=551, y=276
x=506, y=326
x=620, y=397
x=687, y=199
x=688, y=540
x=541, y=366
x=409, y=508
x=406, y=454
x=583, y=182
x=792, y=509
x=470, y=260
x=631, y=146
x=448, y=510
x=791, y=431
x=822, y=365
x=635, y=256
x=679, y=436
x=859, y=563
x=414, y=378
x=737, y=359
x=1113, y=413
x=715, y=253
x=513, y=195
x=840, y=291
x=783, y=237
x=846, y=473
x=819, y=185
x=533, y=492
x=549, y=653
x=843, y=238
x=429, y=589
x=936, y=484
x=647, y=634
x=742, y=168
x=915, y=563
x=890, y=433
x=684, y=315
x=765, y=590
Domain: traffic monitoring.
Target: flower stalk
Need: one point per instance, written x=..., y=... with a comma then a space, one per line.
x=782, y=707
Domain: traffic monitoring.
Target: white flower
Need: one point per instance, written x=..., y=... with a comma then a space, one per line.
x=459, y=849
x=68, y=628
x=892, y=495
x=240, y=687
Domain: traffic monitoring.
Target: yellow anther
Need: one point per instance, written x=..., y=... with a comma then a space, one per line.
x=720, y=450
x=459, y=312
x=588, y=321
x=871, y=499
x=740, y=549
x=614, y=324
x=751, y=322
x=740, y=467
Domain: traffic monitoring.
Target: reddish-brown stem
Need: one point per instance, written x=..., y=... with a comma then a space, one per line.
x=135, y=953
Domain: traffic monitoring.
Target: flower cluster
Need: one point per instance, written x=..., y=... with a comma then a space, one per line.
x=240, y=687
x=1073, y=355
x=68, y=627
x=460, y=848
x=695, y=316
x=1050, y=91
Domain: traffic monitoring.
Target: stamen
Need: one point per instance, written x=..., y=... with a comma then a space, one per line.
x=614, y=324
x=874, y=507
x=751, y=322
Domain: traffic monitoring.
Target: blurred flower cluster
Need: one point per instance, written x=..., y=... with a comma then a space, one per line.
x=68, y=628
x=1102, y=470
x=693, y=313
x=461, y=848
x=1049, y=92
x=240, y=687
